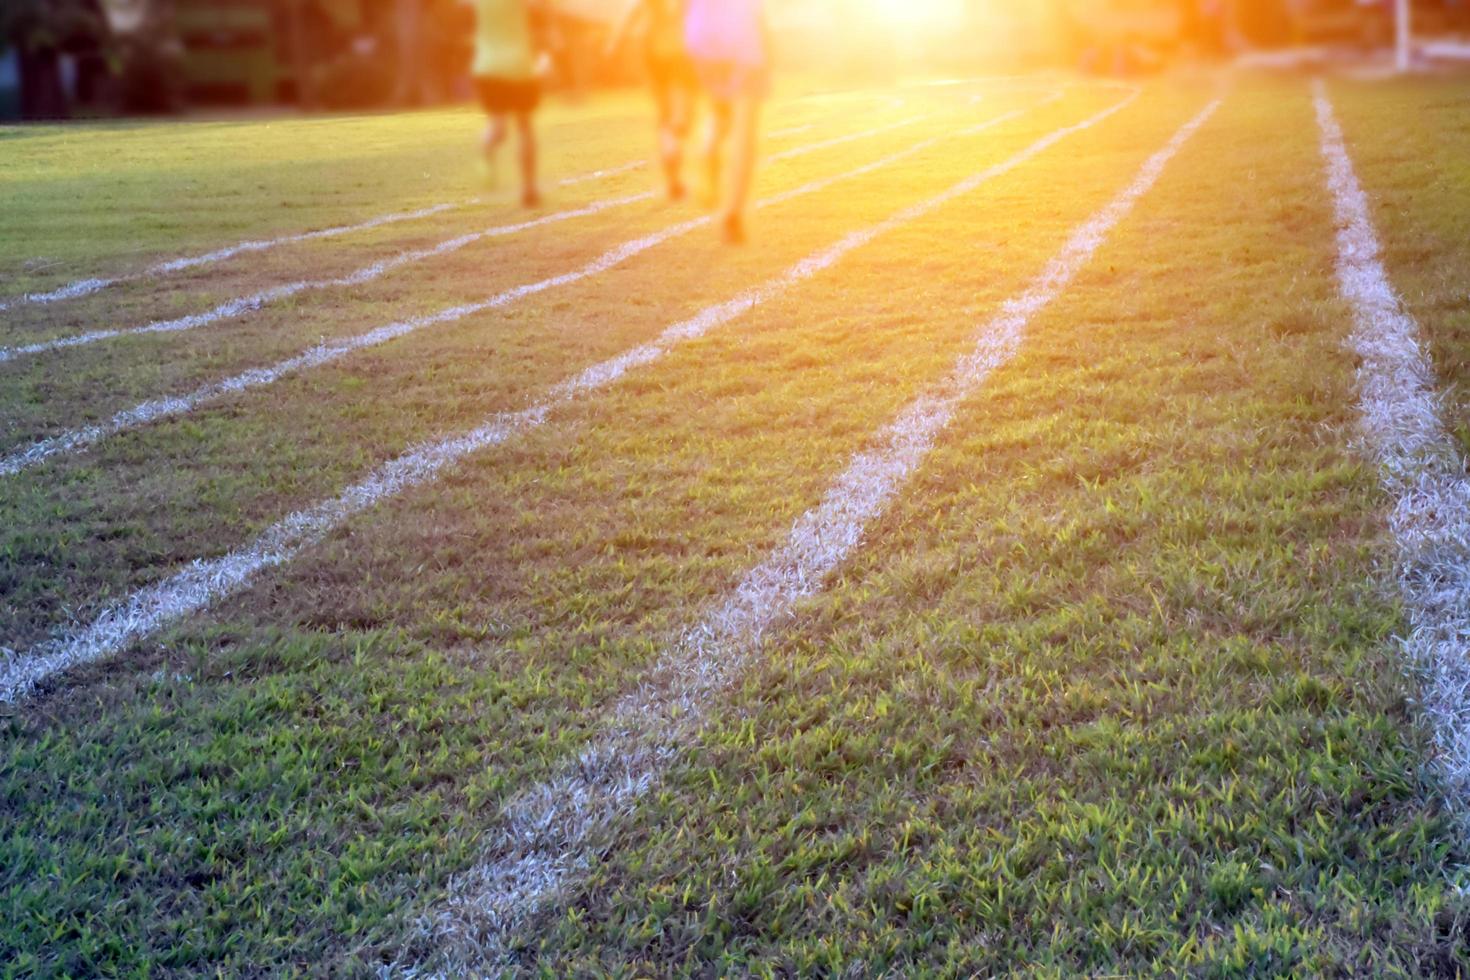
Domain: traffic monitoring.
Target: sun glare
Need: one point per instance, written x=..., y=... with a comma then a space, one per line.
x=916, y=14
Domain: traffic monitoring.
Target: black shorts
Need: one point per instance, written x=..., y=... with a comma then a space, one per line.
x=499, y=95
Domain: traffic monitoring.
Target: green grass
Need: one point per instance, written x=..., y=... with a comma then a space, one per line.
x=1419, y=179
x=106, y=198
x=1111, y=689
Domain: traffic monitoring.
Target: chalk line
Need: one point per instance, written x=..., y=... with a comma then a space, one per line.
x=274, y=294
x=375, y=270
x=153, y=410
x=85, y=287
x=1421, y=467
x=550, y=833
x=203, y=581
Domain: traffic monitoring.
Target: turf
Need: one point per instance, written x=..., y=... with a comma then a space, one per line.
x=1112, y=689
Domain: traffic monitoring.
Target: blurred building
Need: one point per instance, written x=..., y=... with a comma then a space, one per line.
x=61, y=57
x=1162, y=29
x=9, y=84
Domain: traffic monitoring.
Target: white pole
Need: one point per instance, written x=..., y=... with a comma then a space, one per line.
x=1401, y=34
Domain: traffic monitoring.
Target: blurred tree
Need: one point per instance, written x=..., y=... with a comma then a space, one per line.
x=301, y=53
x=144, y=56
x=41, y=31
x=408, y=24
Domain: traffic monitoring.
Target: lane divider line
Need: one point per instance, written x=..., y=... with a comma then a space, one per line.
x=376, y=270
x=85, y=287
x=603, y=174
x=549, y=834
x=203, y=581
x=153, y=410
x=274, y=294
x=1419, y=463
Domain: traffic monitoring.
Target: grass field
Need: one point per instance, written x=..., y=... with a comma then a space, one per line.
x=993, y=568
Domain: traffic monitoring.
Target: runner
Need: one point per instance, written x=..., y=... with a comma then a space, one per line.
x=505, y=72
x=671, y=74
x=729, y=44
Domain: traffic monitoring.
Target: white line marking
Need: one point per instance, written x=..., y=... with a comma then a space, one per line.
x=1451, y=50
x=75, y=440
x=203, y=581
x=85, y=287
x=600, y=174
x=548, y=832
x=1421, y=467
x=375, y=270
x=788, y=131
x=253, y=302
x=797, y=151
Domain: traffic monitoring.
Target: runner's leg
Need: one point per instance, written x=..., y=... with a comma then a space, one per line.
x=745, y=115
x=526, y=131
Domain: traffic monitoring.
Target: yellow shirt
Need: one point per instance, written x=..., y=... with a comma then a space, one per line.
x=503, y=40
